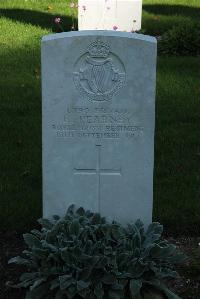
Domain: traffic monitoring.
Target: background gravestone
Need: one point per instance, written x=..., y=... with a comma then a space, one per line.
x=123, y=15
x=98, y=123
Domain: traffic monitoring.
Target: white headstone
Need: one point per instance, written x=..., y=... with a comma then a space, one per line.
x=98, y=123
x=121, y=15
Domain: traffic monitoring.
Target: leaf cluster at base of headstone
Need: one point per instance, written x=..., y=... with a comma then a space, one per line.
x=84, y=256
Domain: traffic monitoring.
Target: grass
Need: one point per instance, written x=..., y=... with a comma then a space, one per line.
x=177, y=153
x=161, y=15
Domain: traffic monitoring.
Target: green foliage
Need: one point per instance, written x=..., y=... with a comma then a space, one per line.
x=83, y=256
x=177, y=163
x=194, y=265
x=181, y=40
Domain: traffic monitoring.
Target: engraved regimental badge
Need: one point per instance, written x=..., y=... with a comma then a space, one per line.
x=99, y=73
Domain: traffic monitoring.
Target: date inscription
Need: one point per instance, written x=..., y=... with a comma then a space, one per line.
x=97, y=123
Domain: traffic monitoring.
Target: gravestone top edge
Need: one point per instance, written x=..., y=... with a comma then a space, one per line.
x=106, y=33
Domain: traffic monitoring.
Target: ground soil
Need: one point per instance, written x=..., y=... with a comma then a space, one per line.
x=11, y=244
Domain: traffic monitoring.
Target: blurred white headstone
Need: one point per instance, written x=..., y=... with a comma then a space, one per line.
x=121, y=15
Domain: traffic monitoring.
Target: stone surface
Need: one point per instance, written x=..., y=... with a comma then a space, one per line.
x=123, y=15
x=98, y=123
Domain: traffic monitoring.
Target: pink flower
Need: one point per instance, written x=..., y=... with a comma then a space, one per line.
x=57, y=20
x=115, y=27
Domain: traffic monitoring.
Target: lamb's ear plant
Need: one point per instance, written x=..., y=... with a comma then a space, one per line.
x=83, y=256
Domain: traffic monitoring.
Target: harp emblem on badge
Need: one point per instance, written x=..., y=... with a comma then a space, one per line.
x=99, y=74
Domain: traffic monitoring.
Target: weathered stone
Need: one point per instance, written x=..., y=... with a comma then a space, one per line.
x=98, y=123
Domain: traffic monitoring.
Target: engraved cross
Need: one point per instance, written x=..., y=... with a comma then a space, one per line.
x=98, y=171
